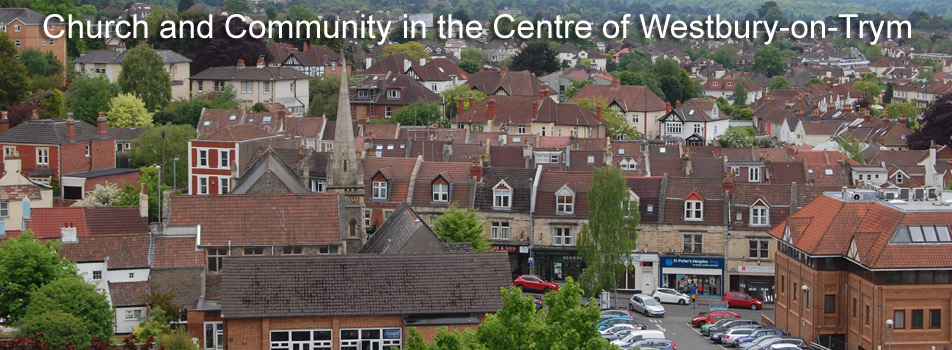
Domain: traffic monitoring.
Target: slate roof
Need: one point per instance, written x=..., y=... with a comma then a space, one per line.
x=27, y=16
x=629, y=97
x=552, y=181
x=89, y=221
x=404, y=229
x=169, y=252
x=213, y=120
x=362, y=284
x=129, y=251
x=249, y=73
x=648, y=190
x=260, y=219
x=506, y=157
x=519, y=179
x=514, y=83
x=125, y=294
x=48, y=132
x=125, y=134
x=461, y=185
x=678, y=188
x=116, y=56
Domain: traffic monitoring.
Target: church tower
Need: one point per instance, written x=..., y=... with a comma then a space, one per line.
x=345, y=173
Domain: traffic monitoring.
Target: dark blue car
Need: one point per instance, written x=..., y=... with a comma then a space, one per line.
x=608, y=322
x=760, y=333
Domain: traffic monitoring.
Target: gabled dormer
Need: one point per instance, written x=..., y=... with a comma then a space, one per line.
x=440, y=190
x=693, y=207
x=760, y=213
x=502, y=196
x=380, y=187
x=565, y=201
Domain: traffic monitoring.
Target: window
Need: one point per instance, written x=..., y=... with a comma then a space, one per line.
x=917, y=319
x=97, y=275
x=43, y=156
x=562, y=236
x=393, y=93
x=673, y=128
x=867, y=314
x=379, y=190
x=9, y=151
x=899, y=178
x=564, y=201
x=301, y=339
x=132, y=315
x=899, y=317
x=854, y=307
x=318, y=186
x=795, y=291
x=388, y=112
x=441, y=192
x=17, y=43
x=758, y=248
x=650, y=208
x=202, y=185
x=223, y=159
x=502, y=196
x=591, y=160
x=521, y=129
x=753, y=174
x=214, y=335
x=693, y=210
x=352, y=227
x=759, y=216
x=292, y=250
x=370, y=338
x=247, y=87
x=693, y=243
x=223, y=185
x=698, y=128
x=267, y=87
x=829, y=304
x=88, y=153
x=203, y=158
x=215, y=256
x=16, y=28
x=935, y=319
x=219, y=86
x=200, y=86
x=500, y=230
x=367, y=213
x=254, y=251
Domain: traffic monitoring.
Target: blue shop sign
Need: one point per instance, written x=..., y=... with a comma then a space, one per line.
x=692, y=262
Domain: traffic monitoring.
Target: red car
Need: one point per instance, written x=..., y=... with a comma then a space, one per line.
x=534, y=283
x=712, y=317
x=741, y=299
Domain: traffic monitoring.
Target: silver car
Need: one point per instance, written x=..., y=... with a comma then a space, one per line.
x=645, y=304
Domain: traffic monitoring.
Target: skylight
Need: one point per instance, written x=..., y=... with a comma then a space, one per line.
x=691, y=112
x=207, y=123
x=233, y=117
x=922, y=234
x=828, y=172
x=266, y=119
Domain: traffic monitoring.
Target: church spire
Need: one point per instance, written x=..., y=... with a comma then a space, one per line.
x=345, y=170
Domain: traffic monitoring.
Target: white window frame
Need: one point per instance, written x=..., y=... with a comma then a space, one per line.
x=43, y=156
x=381, y=343
x=759, y=215
x=673, y=127
x=388, y=112
x=133, y=315
x=202, y=185
x=9, y=151
x=17, y=43
x=200, y=86
x=224, y=159
x=217, y=341
x=441, y=192
x=97, y=274
x=698, y=128
x=16, y=28
x=753, y=174
x=502, y=197
x=311, y=343
x=379, y=190
x=500, y=230
x=565, y=201
x=693, y=210
x=4, y=209
x=319, y=186
x=563, y=236
x=521, y=129
x=758, y=249
x=202, y=158
x=394, y=94
x=247, y=87
x=223, y=185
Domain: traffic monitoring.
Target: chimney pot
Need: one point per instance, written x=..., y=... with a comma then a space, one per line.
x=305, y=50
x=34, y=115
x=261, y=62
x=667, y=107
x=904, y=121
x=4, y=122
x=472, y=100
x=615, y=82
x=102, y=125
x=459, y=105
x=677, y=104
x=241, y=63
x=70, y=127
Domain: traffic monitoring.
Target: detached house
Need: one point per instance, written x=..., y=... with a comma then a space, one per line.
x=696, y=122
x=260, y=83
x=314, y=61
x=108, y=63
x=380, y=96
x=638, y=104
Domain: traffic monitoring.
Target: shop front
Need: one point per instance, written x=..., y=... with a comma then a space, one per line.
x=557, y=264
x=642, y=273
x=756, y=280
x=686, y=273
x=518, y=258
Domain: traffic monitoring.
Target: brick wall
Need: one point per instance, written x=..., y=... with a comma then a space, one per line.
x=119, y=179
x=255, y=333
x=74, y=159
x=28, y=157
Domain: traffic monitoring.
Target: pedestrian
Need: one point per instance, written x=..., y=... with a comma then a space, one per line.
x=700, y=288
x=693, y=291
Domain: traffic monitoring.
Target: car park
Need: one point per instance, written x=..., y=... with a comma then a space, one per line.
x=733, y=334
x=644, y=304
x=762, y=341
x=534, y=283
x=712, y=317
x=728, y=324
x=670, y=296
x=797, y=342
x=705, y=328
x=610, y=322
x=717, y=335
x=616, y=313
x=742, y=300
x=661, y=344
x=638, y=335
x=616, y=328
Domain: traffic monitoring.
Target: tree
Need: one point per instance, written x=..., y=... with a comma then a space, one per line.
x=779, y=83
x=184, y=5
x=768, y=61
x=936, y=125
x=462, y=91
x=72, y=295
x=616, y=123
x=888, y=94
x=612, y=230
x=143, y=76
x=412, y=48
x=470, y=66
x=102, y=196
x=26, y=264
x=418, y=113
x=13, y=76
x=852, y=147
x=87, y=96
x=39, y=64
x=127, y=110
x=324, y=92
x=813, y=81
x=902, y=109
x=740, y=95
x=674, y=81
x=577, y=86
x=724, y=58
x=926, y=74
x=57, y=329
x=236, y=6
x=176, y=339
x=258, y=108
x=457, y=225
x=473, y=54
x=222, y=50
x=187, y=111
x=874, y=53
x=739, y=137
x=147, y=150
x=538, y=57
x=51, y=103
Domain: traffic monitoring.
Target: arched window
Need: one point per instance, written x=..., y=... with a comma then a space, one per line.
x=352, y=226
x=344, y=165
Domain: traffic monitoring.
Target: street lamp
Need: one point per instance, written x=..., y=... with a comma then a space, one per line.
x=803, y=307
x=174, y=170
x=889, y=324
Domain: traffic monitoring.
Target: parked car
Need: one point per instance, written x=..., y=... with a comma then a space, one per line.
x=661, y=344
x=616, y=313
x=538, y=302
x=670, y=296
x=797, y=342
x=621, y=327
x=762, y=341
x=534, y=283
x=717, y=331
x=730, y=335
x=712, y=317
x=741, y=299
x=705, y=328
x=622, y=333
x=773, y=332
x=644, y=304
x=784, y=346
x=610, y=322
x=637, y=336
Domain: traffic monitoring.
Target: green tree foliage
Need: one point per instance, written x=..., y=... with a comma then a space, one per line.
x=739, y=137
x=936, y=125
x=87, y=96
x=26, y=264
x=222, y=50
x=768, y=61
x=324, y=96
x=457, y=225
x=418, y=113
x=452, y=96
x=470, y=66
x=925, y=74
x=870, y=88
x=57, y=328
x=472, y=54
x=39, y=64
x=617, y=125
x=724, y=58
x=740, y=95
x=905, y=109
x=813, y=81
x=176, y=339
x=127, y=110
x=236, y=6
x=101, y=196
x=538, y=57
x=258, y=108
x=612, y=230
x=143, y=76
x=874, y=53
x=674, y=81
x=852, y=147
x=184, y=5
x=13, y=76
x=779, y=83
x=577, y=85
x=738, y=112
x=888, y=94
x=187, y=111
x=444, y=340
x=147, y=150
x=412, y=48
x=72, y=295
x=51, y=103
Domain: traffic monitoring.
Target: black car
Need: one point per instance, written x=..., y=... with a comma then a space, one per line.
x=715, y=329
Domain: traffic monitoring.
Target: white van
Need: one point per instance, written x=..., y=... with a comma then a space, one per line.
x=639, y=335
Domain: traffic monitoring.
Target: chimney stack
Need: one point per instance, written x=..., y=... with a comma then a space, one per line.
x=70, y=127
x=503, y=70
x=667, y=107
x=491, y=109
x=34, y=115
x=615, y=82
x=535, y=110
x=476, y=171
x=904, y=121
x=260, y=62
x=102, y=125
x=406, y=65
x=368, y=62
x=305, y=49
x=241, y=63
x=459, y=105
x=472, y=100
x=598, y=112
x=677, y=104
x=143, y=201
x=422, y=62
x=4, y=122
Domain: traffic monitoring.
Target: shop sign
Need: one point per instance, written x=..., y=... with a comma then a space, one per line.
x=692, y=262
x=756, y=269
x=505, y=248
x=523, y=250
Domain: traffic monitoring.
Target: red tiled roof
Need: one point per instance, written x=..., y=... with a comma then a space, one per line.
x=396, y=170
x=129, y=293
x=238, y=133
x=260, y=219
x=169, y=252
x=457, y=174
x=47, y=222
x=629, y=97
x=123, y=251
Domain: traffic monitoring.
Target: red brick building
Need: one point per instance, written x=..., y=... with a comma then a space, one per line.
x=49, y=148
x=217, y=160
x=848, y=262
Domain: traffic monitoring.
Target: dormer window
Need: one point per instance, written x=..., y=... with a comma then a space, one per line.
x=441, y=190
x=631, y=206
x=753, y=174
x=379, y=190
x=393, y=93
x=693, y=207
x=565, y=201
x=759, y=214
x=502, y=196
x=714, y=83
x=899, y=178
